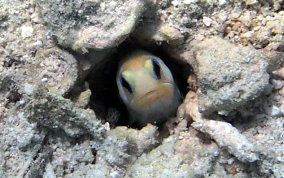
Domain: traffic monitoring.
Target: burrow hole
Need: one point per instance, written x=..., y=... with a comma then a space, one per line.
x=105, y=100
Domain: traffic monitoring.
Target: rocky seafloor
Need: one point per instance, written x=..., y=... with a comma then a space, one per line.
x=56, y=57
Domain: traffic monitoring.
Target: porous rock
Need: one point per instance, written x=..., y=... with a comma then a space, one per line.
x=38, y=165
x=279, y=73
x=183, y=155
x=225, y=135
x=83, y=99
x=53, y=111
x=19, y=140
x=228, y=166
x=120, y=149
x=92, y=24
x=229, y=76
x=67, y=157
x=57, y=69
x=230, y=138
x=171, y=22
x=122, y=145
x=264, y=132
x=23, y=33
x=155, y=33
x=1, y=161
x=54, y=68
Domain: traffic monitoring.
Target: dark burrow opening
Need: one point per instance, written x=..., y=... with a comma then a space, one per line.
x=105, y=100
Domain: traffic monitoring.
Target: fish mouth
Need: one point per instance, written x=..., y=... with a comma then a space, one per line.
x=155, y=95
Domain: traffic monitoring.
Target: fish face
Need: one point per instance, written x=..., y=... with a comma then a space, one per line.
x=147, y=88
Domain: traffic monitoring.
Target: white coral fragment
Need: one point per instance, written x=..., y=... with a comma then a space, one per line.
x=228, y=137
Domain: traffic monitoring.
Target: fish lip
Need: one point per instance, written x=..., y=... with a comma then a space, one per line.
x=154, y=90
x=141, y=98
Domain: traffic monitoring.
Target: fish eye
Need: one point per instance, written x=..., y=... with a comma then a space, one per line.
x=156, y=69
x=125, y=84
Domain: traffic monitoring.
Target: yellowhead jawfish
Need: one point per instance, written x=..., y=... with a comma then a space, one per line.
x=147, y=88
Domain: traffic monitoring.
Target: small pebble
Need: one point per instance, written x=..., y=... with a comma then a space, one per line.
x=281, y=159
x=207, y=21
x=230, y=161
x=279, y=73
x=106, y=126
x=28, y=88
x=248, y=59
x=224, y=113
x=21, y=102
x=175, y=3
x=250, y=2
x=222, y=2
x=44, y=80
x=27, y=31
x=112, y=4
x=37, y=44
x=282, y=107
x=189, y=1
x=103, y=6
x=277, y=84
x=115, y=174
x=273, y=111
x=35, y=18
x=49, y=171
